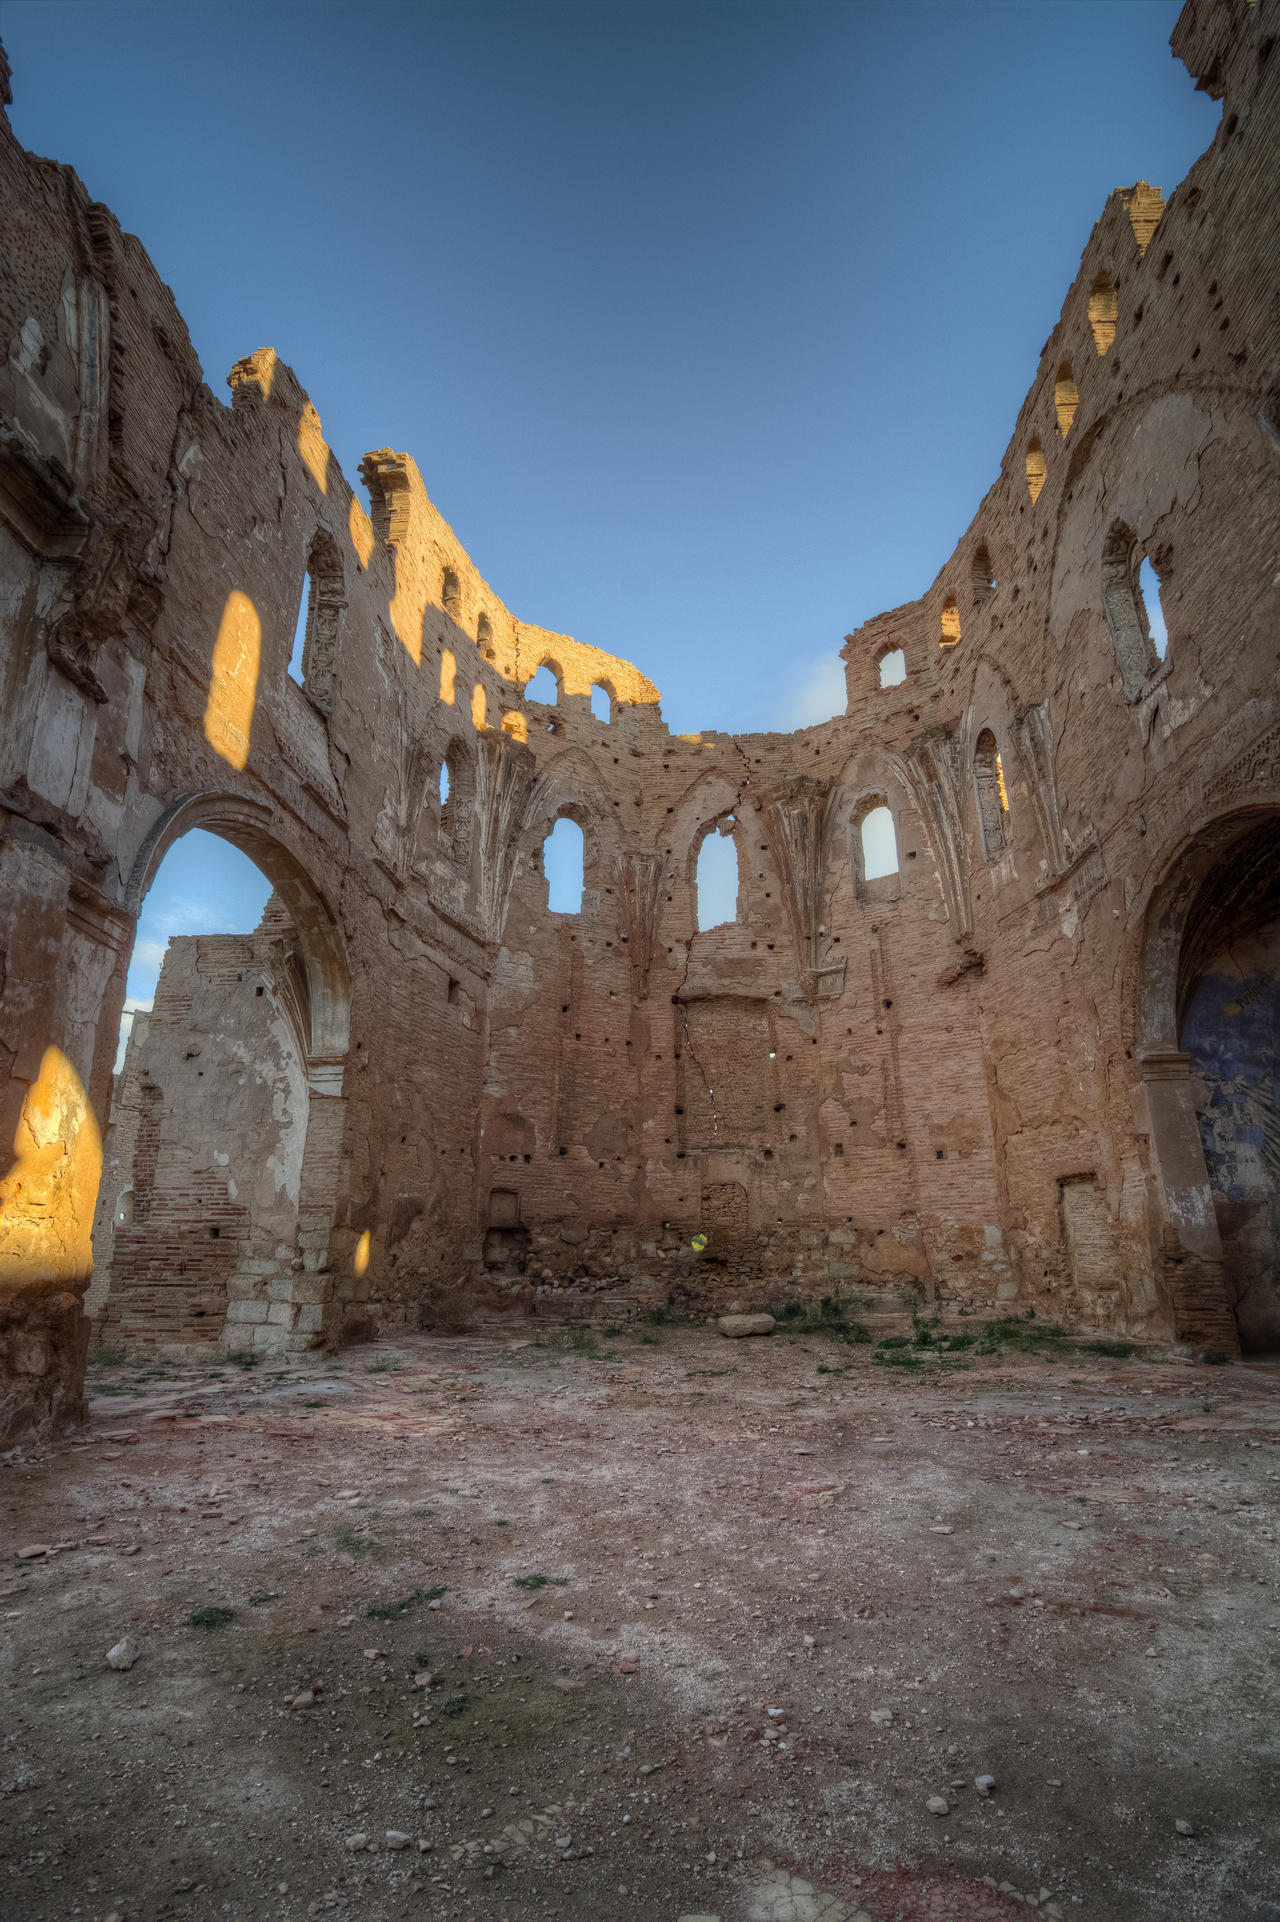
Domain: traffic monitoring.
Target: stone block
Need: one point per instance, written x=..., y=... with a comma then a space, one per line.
x=246, y=1311
x=737, y=1325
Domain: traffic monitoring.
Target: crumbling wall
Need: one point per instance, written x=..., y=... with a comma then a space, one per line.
x=963, y=1082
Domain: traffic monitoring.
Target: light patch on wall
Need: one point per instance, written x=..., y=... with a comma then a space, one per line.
x=448, y=676
x=233, y=680
x=478, y=706
x=360, y=528
x=360, y=1259
x=47, y=1199
x=313, y=447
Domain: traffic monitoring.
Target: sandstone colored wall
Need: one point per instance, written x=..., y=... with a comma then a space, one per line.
x=964, y=1084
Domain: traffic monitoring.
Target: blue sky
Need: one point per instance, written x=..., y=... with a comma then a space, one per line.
x=707, y=324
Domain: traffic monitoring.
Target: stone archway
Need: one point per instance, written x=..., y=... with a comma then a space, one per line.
x=1206, y=1015
x=267, y=1285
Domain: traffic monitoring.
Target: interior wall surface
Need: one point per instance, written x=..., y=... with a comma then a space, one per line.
x=959, y=1084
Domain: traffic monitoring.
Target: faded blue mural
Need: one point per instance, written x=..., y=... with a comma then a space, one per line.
x=1232, y=1033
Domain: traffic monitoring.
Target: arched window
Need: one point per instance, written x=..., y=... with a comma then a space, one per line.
x=562, y=863
x=484, y=636
x=456, y=791
x=1153, y=606
x=983, y=573
x=1103, y=307
x=313, y=659
x=450, y=592
x=1066, y=398
x=716, y=880
x=879, y=843
x=1037, y=472
x=601, y=702
x=993, y=797
x=893, y=668
x=1138, y=653
x=544, y=687
x=950, y=622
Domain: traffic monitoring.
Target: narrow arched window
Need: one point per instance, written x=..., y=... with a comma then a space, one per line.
x=893, y=668
x=1037, y=472
x=562, y=863
x=993, y=797
x=950, y=623
x=601, y=703
x=1129, y=616
x=484, y=636
x=1103, y=308
x=879, y=844
x=313, y=657
x=544, y=687
x=716, y=879
x=1066, y=398
x=1153, y=607
x=983, y=573
x=450, y=592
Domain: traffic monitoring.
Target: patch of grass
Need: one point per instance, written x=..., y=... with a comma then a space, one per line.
x=210, y=1618
x=113, y=1388
x=315, y=1404
x=501, y=1524
x=106, y=1355
x=541, y=1581
x=893, y=1341
x=1116, y=1350
x=393, y=1611
x=690, y=1373
x=898, y=1358
x=349, y=1539
x=262, y=1597
x=453, y=1704
x=651, y=1341
x=656, y=1317
x=1216, y=1360
x=828, y=1316
x=825, y=1368
x=956, y=1344
x=244, y=1358
x=1024, y=1336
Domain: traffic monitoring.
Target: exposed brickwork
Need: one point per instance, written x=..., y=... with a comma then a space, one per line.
x=911, y=1079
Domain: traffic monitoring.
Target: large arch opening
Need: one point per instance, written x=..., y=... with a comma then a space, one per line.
x=217, y=1200
x=1208, y=1028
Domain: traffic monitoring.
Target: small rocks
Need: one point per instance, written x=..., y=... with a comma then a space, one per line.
x=1183, y=1827
x=397, y=1839
x=984, y=1783
x=938, y=1805
x=882, y=1717
x=357, y=1841
x=735, y=1326
x=124, y=1654
x=626, y=1663
x=305, y=1699
x=33, y=1551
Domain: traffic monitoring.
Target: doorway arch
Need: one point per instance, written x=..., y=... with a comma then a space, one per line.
x=1207, y=1015
x=300, y=964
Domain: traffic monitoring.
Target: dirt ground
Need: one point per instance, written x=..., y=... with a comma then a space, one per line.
x=546, y=1625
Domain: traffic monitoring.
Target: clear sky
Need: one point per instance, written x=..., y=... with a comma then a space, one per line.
x=707, y=323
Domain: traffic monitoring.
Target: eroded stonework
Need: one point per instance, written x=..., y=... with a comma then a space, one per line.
x=1010, y=1075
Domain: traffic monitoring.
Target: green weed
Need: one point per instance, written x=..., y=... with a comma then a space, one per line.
x=210, y=1618
x=541, y=1581
x=392, y=1611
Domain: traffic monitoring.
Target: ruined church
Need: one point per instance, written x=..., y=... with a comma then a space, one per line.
x=994, y=1029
